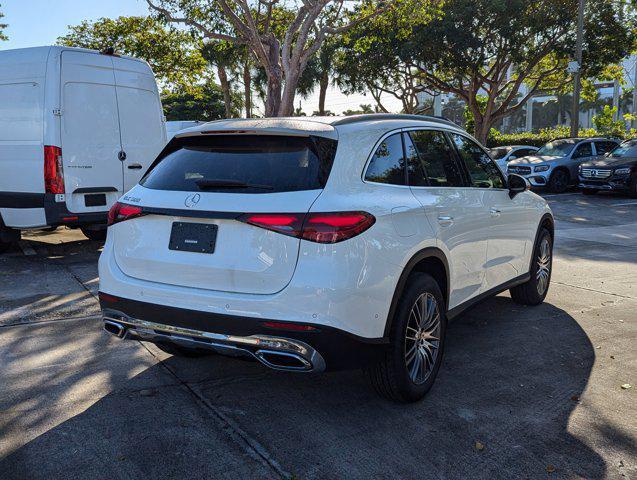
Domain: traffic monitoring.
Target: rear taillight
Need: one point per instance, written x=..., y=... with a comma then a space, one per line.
x=122, y=211
x=329, y=227
x=53, y=172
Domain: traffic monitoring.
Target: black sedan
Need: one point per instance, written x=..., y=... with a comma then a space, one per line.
x=616, y=171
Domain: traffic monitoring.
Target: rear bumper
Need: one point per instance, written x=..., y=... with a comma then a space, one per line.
x=55, y=213
x=310, y=351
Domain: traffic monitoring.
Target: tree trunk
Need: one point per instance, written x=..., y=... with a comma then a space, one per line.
x=481, y=130
x=287, y=101
x=225, y=88
x=323, y=84
x=247, y=89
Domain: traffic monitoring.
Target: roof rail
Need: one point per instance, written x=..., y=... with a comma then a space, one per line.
x=391, y=116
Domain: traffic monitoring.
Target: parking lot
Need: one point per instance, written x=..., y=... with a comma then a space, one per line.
x=524, y=392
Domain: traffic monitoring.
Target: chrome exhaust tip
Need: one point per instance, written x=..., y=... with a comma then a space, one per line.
x=116, y=329
x=282, y=360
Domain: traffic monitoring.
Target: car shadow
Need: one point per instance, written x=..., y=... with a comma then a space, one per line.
x=511, y=377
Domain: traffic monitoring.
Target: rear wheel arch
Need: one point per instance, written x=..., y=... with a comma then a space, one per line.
x=430, y=260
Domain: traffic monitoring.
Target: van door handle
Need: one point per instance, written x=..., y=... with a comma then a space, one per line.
x=495, y=212
x=135, y=166
x=445, y=220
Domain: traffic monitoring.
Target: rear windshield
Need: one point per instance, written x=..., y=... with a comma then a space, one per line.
x=243, y=164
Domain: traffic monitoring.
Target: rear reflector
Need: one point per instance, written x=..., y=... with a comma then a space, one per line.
x=289, y=326
x=105, y=297
x=122, y=211
x=53, y=172
x=331, y=227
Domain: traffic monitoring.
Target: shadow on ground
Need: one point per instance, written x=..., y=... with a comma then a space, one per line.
x=507, y=381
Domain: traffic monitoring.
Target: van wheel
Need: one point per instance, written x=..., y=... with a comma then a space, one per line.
x=8, y=236
x=179, y=351
x=534, y=291
x=95, y=235
x=413, y=357
x=559, y=181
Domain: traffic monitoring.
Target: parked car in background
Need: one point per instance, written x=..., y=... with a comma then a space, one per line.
x=321, y=243
x=78, y=128
x=555, y=166
x=615, y=172
x=503, y=155
x=175, y=126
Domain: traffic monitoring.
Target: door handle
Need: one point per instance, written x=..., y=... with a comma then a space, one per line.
x=135, y=166
x=495, y=212
x=445, y=220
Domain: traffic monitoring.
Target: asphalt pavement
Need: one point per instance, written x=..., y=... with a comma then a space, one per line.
x=524, y=392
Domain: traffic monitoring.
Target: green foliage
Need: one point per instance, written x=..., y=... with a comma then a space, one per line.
x=606, y=125
x=196, y=103
x=538, y=139
x=2, y=27
x=363, y=108
x=173, y=54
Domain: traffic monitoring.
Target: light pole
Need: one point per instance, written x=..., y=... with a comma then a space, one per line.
x=577, y=69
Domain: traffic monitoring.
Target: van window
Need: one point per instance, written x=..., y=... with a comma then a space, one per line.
x=243, y=164
x=437, y=159
x=388, y=163
x=20, y=112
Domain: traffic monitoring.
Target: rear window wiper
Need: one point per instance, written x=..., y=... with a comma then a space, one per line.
x=204, y=184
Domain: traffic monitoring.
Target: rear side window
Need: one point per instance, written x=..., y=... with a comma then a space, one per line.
x=483, y=172
x=604, y=147
x=388, y=163
x=243, y=164
x=437, y=159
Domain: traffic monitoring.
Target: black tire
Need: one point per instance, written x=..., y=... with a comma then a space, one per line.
x=179, y=351
x=4, y=246
x=94, y=235
x=559, y=181
x=533, y=292
x=589, y=191
x=390, y=376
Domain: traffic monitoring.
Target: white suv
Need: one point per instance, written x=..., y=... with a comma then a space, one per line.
x=321, y=243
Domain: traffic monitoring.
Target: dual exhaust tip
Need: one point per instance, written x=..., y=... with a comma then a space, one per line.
x=270, y=358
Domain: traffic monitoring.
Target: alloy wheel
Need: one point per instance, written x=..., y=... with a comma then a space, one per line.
x=543, y=266
x=422, y=338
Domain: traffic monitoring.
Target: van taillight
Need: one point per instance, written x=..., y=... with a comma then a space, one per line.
x=122, y=211
x=53, y=172
x=329, y=227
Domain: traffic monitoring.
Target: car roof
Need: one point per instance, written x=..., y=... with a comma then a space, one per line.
x=321, y=126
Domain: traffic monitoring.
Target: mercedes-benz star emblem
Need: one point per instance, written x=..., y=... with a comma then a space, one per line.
x=192, y=200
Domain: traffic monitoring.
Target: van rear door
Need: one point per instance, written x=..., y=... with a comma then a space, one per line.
x=90, y=132
x=142, y=128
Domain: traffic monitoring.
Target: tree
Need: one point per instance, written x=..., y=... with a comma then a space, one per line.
x=283, y=56
x=2, y=27
x=197, y=103
x=505, y=50
x=173, y=54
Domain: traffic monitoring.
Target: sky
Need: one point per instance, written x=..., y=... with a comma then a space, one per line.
x=35, y=23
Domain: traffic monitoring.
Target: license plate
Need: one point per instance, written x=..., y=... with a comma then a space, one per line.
x=193, y=237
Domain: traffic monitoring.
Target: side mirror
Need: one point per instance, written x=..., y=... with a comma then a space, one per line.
x=517, y=184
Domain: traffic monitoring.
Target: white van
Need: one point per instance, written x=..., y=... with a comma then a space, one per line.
x=78, y=128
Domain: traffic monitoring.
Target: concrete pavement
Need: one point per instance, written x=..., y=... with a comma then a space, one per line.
x=538, y=388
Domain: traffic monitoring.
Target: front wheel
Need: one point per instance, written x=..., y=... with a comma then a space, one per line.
x=533, y=292
x=559, y=181
x=413, y=357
